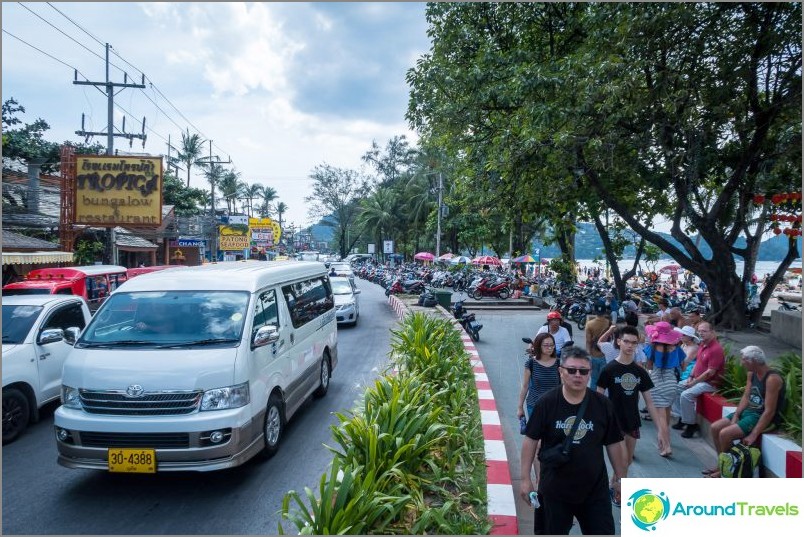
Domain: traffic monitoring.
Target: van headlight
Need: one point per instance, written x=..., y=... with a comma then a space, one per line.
x=70, y=397
x=225, y=398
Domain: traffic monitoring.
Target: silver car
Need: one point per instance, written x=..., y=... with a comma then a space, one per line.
x=347, y=303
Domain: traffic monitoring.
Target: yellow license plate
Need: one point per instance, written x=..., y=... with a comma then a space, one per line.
x=127, y=460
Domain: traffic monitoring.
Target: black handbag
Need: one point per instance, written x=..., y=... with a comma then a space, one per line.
x=559, y=454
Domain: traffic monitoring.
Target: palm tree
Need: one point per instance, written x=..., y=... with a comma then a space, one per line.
x=231, y=187
x=251, y=193
x=213, y=173
x=281, y=208
x=379, y=213
x=190, y=151
x=268, y=195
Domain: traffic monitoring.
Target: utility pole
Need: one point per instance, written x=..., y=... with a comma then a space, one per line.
x=440, y=210
x=110, y=134
x=176, y=167
x=211, y=162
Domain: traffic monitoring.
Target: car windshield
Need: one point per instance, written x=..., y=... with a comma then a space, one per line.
x=340, y=287
x=17, y=322
x=168, y=318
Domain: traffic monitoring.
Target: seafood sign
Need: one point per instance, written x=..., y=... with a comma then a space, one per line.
x=111, y=191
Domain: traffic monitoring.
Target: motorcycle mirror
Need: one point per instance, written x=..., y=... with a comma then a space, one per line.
x=527, y=340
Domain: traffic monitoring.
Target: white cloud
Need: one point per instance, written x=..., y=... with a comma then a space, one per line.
x=279, y=87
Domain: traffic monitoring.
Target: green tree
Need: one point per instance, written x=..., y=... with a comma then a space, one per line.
x=187, y=201
x=190, y=152
x=336, y=195
x=677, y=111
x=27, y=142
x=268, y=195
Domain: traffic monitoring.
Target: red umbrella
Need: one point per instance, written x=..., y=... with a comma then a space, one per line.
x=424, y=256
x=486, y=260
x=671, y=269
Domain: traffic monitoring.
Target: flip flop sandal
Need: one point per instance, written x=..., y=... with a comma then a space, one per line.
x=714, y=475
x=709, y=471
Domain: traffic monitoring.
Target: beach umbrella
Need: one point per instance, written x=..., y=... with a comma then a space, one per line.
x=424, y=256
x=670, y=269
x=461, y=259
x=446, y=257
x=486, y=260
x=527, y=258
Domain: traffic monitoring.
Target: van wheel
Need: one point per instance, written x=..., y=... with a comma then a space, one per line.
x=323, y=387
x=16, y=413
x=274, y=426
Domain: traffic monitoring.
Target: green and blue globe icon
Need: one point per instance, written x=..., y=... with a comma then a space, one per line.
x=648, y=508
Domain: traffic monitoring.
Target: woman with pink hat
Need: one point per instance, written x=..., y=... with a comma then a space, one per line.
x=664, y=360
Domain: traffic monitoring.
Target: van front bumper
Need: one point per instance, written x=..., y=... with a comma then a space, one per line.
x=189, y=449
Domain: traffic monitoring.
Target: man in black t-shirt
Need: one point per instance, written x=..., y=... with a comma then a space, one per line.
x=579, y=488
x=625, y=380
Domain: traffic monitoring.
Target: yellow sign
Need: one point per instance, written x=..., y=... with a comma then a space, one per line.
x=261, y=223
x=118, y=191
x=232, y=238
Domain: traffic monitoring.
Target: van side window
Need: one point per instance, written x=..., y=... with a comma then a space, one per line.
x=66, y=317
x=265, y=311
x=308, y=300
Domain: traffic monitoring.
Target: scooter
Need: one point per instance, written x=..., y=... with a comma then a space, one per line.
x=411, y=287
x=787, y=306
x=497, y=289
x=467, y=320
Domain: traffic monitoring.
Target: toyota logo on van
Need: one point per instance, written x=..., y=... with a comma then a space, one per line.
x=135, y=390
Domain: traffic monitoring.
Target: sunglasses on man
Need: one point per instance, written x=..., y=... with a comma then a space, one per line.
x=575, y=370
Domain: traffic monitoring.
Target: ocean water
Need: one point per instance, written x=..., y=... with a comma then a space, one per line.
x=762, y=267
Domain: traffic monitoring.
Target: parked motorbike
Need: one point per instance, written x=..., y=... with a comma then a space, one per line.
x=497, y=289
x=467, y=320
x=411, y=287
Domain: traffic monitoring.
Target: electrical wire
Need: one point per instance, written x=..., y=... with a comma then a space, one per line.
x=78, y=26
x=45, y=53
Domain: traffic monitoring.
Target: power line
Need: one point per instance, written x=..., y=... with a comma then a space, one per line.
x=78, y=26
x=43, y=52
x=61, y=31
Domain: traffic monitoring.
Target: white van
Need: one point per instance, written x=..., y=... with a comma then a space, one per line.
x=197, y=369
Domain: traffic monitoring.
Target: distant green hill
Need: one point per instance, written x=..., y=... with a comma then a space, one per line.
x=588, y=246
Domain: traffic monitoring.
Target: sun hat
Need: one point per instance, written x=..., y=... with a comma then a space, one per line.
x=662, y=332
x=689, y=332
x=554, y=315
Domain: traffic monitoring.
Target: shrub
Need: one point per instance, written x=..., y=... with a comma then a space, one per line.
x=409, y=458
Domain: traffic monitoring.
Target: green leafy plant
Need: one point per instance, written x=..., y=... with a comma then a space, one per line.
x=87, y=252
x=409, y=458
x=789, y=365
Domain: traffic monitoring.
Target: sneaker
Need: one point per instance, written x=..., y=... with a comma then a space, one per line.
x=613, y=501
x=690, y=431
x=678, y=426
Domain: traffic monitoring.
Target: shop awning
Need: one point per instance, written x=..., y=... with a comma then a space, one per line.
x=30, y=258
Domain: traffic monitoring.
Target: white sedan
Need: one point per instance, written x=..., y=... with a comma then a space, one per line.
x=347, y=303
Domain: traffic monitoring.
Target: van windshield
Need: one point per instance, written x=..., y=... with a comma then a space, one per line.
x=168, y=318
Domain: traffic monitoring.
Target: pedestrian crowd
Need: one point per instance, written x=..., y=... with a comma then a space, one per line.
x=583, y=405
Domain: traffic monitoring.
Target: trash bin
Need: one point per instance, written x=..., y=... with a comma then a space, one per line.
x=444, y=298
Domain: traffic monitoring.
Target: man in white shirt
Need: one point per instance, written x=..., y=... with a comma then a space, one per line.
x=554, y=328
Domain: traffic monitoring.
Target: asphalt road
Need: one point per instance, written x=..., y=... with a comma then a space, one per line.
x=41, y=497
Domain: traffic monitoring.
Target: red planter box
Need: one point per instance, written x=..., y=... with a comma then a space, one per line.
x=710, y=406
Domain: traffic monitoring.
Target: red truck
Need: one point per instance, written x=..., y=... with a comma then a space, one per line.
x=92, y=282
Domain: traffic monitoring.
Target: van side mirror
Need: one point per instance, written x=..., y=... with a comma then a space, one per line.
x=71, y=335
x=51, y=335
x=265, y=335
x=356, y=291
x=527, y=340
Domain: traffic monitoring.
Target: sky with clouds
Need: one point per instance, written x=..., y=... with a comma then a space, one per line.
x=279, y=87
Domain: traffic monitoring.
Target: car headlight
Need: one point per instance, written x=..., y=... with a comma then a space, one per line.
x=70, y=397
x=225, y=398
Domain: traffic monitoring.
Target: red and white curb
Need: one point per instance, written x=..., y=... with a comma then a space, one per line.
x=499, y=487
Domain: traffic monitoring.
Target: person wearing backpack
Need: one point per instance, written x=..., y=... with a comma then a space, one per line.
x=759, y=410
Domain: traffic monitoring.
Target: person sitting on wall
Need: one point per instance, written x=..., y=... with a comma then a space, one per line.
x=759, y=410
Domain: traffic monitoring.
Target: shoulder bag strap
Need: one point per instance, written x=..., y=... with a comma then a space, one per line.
x=578, y=418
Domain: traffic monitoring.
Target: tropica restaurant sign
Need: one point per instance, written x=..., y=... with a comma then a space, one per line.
x=119, y=190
